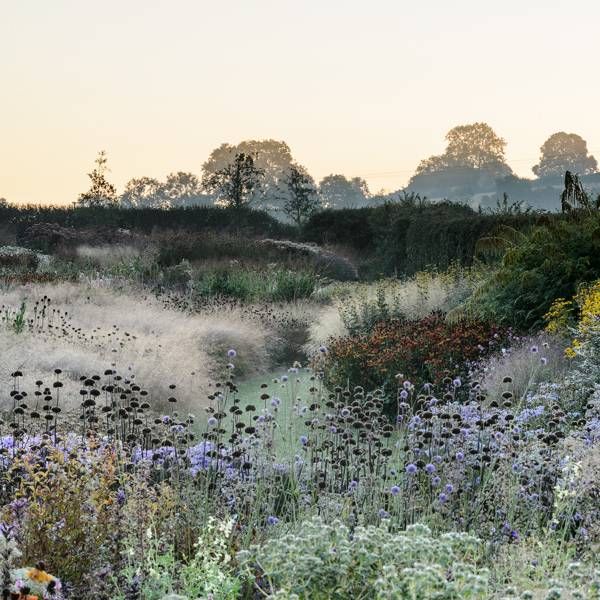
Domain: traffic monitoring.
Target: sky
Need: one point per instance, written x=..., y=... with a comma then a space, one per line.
x=361, y=87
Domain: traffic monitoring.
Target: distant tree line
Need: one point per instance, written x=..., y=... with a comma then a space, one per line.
x=263, y=174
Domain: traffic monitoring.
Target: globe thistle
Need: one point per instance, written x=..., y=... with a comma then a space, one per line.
x=430, y=468
x=411, y=468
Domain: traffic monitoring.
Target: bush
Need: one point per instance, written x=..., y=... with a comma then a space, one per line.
x=403, y=238
x=421, y=351
x=325, y=560
x=275, y=285
x=549, y=263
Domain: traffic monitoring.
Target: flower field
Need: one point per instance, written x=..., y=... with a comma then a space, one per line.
x=163, y=438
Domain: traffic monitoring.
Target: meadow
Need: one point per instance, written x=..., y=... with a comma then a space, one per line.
x=229, y=412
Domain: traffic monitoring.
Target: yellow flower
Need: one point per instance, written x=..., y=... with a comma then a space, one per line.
x=39, y=576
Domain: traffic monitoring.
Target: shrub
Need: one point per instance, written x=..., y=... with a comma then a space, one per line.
x=275, y=285
x=325, y=560
x=402, y=238
x=421, y=351
x=549, y=263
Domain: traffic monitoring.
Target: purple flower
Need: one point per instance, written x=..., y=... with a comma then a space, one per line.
x=460, y=456
x=395, y=490
x=231, y=353
x=352, y=485
x=383, y=514
x=436, y=481
x=442, y=497
x=430, y=468
x=272, y=520
x=449, y=488
x=411, y=468
x=212, y=422
x=303, y=440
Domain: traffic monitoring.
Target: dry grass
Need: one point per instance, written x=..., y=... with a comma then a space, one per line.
x=160, y=346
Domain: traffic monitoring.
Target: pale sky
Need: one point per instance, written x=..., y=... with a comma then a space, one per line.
x=360, y=87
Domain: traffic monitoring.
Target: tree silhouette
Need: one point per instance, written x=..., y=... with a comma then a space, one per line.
x=302, y=198
x=101, y=192
x=337, y=191
x=474, y=159
x=235, y=182
x=143, y=192
x=563, y=152
x=272, y=157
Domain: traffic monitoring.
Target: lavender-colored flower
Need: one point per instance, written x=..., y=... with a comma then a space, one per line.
x=457, y=382
x=272, y=520
x=352, y=485
x=460, y=456
x=436, y=481
x=383, y=514
x=212, y=422
x=404, y=394
x=411, y=468
x=449, y=488
x=442, y=497
x=394, y=490
x=303, y=440
x=231, y=353
x=407, y=385
x=430, y=468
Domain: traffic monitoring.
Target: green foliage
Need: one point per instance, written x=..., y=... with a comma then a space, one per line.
x=249, y=285
x=207, y=573
x=404, y=238
x=326, y=561
x=19, y=319
x=549, y=263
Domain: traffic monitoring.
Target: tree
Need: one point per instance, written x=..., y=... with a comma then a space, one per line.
x=144, y=192
x=234, y=183
x=302, y=198
x=476, y=146
x=337, y=191
x=474, y=158
x=563, y=152
x=183, y=189
x=101, y=192
x=272, y=157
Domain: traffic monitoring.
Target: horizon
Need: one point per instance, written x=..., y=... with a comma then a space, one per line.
x=352, y=90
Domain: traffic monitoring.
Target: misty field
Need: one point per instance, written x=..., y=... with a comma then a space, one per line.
x=213, y=415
